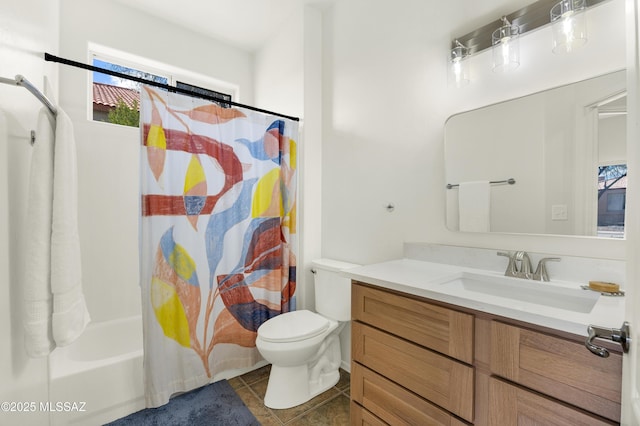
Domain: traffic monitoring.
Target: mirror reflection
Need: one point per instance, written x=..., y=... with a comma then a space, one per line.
x=565, y=150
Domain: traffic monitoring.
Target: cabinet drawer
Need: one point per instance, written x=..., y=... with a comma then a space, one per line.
x=441, y=380
x=557, y=367
x=361, y=417
x=438, y=328
x=392, y=403
x=512, y=405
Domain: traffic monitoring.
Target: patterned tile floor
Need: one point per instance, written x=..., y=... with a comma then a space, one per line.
x=330, y=408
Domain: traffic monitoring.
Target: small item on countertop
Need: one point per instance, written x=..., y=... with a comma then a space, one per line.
x=604, y=286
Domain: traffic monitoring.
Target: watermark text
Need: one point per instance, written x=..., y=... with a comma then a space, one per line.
x=48, y=406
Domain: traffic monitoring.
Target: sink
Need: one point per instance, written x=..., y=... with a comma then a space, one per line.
x=516, y=289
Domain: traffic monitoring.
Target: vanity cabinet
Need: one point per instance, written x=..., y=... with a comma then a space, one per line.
x=411, y=359
x=417, y=361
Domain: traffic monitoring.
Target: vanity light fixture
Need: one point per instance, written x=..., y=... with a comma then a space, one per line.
x=568, y=22
x=569, y=26
x=506, y=49
x=459, y=68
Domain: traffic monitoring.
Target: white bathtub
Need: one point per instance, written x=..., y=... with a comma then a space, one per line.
x=101, y=373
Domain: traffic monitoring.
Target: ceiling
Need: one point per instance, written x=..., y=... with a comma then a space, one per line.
x=245, y=24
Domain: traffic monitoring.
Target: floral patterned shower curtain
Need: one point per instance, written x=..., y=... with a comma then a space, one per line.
x=218, y=236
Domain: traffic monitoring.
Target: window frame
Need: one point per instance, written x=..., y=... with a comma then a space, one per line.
x=171, y=73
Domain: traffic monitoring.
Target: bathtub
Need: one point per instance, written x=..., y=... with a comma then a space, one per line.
x=98, y=378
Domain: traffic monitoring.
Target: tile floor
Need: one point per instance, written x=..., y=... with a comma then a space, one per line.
x=330, y=408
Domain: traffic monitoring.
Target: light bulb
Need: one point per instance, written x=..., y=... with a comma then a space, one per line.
x=568, y=25
x=506, y=53
x=459, y=75
x=505, y=50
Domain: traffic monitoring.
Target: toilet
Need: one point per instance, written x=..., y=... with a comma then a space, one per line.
x=302, y=346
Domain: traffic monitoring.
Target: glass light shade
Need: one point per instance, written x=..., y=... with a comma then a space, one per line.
x=569, y=25
x=458, y=66
x=506, y=48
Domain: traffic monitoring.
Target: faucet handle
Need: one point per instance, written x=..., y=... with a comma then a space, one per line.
x=511, y=270
x=525, y=264
x=541, y=273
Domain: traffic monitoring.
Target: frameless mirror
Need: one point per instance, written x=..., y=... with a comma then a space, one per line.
x=565, y=151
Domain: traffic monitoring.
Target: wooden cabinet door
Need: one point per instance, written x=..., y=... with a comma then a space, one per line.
x=434, y=377
x=563, y=369
x=515, y=406
x=444, y=330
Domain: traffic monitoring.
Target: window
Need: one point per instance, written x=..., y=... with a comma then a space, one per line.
x=116, y=100
x=612, y=189
x=207, y=92
x=615, y=202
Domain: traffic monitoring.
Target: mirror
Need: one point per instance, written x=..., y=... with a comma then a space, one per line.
x=564, y=148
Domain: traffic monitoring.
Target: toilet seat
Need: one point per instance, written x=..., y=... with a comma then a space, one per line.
x=293, y=326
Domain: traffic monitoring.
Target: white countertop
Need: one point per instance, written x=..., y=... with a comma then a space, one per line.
x=426, y=279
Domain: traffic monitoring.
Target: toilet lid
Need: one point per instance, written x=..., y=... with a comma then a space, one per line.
x=293, y=326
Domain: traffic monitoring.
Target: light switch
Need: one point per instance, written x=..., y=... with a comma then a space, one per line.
x=559, y=212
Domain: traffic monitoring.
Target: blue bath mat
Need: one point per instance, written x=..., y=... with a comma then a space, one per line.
x=211, y=405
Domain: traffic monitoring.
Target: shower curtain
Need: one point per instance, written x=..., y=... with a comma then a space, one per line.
x=218, y=236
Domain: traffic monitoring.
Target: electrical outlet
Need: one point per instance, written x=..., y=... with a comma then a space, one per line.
x=559, y=212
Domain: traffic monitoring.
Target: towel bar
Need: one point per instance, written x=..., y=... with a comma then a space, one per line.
x=510, y=181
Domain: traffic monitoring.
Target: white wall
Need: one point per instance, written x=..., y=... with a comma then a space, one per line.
x=27, y=28
x=385, y=104
x=613, y=131
x=288, y=80
x=278, y=72
x=108, y=155
x=311, y=157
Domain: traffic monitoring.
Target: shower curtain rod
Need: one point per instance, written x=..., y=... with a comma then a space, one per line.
x=52, y=58
x=19, y=80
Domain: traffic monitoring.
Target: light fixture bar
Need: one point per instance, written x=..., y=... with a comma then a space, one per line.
x=528, y=18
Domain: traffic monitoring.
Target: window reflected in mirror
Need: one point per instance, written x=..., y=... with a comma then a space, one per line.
x=612, y=193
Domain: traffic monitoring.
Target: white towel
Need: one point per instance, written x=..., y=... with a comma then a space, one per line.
x=37, y=286
x=70, y=314
x=474, y=205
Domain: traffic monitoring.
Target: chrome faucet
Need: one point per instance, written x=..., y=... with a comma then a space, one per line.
x=541, y=273
x=520, y=266
x=525, y=265
x=512, y=269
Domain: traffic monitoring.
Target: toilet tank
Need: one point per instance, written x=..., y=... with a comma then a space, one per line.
x=333, y=292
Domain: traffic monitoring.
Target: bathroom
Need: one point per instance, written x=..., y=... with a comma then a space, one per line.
x=350, y=65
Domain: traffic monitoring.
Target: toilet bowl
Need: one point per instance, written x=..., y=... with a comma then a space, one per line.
x=302, y=346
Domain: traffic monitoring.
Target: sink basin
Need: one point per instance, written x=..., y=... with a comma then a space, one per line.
x=516, y=289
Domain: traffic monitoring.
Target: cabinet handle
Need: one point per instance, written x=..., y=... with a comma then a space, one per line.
x=621, y=335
